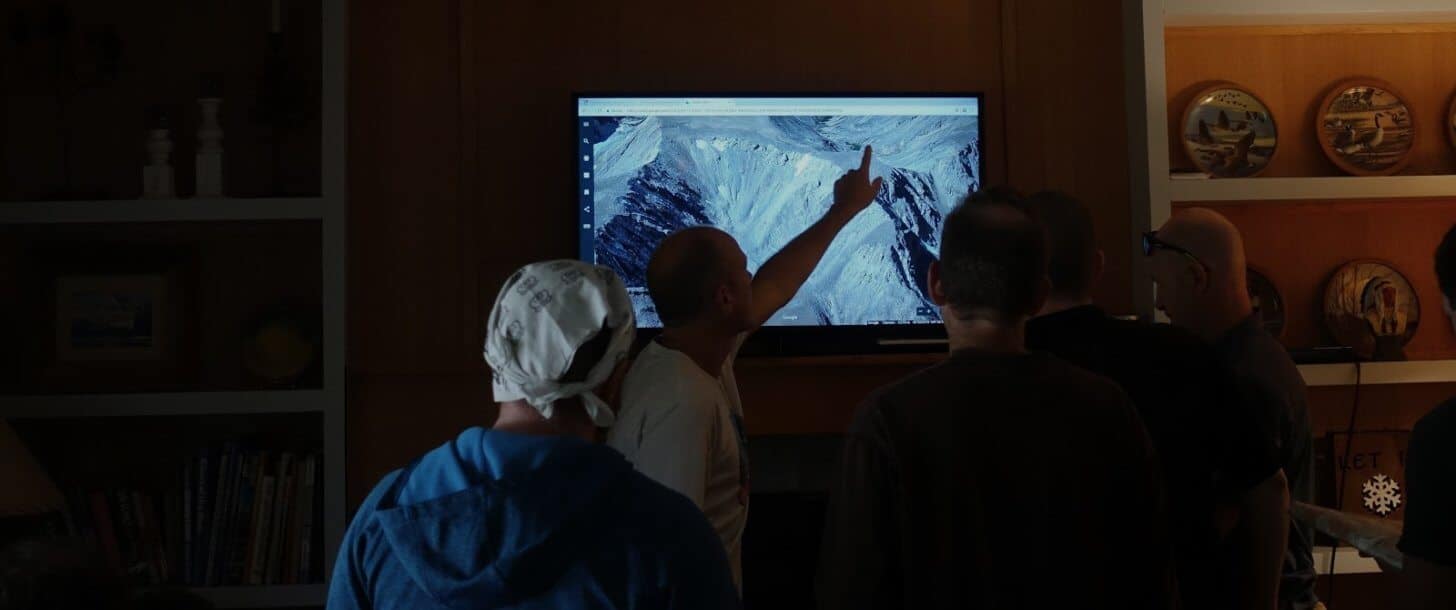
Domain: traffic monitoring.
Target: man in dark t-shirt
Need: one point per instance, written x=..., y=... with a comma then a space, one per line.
x=1197, y=260
x=998, y=478
x=1262, y=364
x=1215, y=457
x=1429, y=539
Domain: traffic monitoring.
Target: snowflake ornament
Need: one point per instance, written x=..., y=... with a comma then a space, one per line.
x=1381, y=494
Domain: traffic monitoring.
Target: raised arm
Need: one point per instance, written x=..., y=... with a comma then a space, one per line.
x=781, y=276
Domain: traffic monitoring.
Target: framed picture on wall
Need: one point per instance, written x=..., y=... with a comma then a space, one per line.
x=110, y=318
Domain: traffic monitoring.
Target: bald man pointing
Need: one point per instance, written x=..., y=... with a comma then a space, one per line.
x=1199, y=266
x=681, y=422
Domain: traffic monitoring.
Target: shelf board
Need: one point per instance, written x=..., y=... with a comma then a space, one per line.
x=160, y=210
x=912, y=359
x=1380, y=373
x=1347, y=561
x=1287, y=189
x=1300, y=23
x=171, y=403
x=275, y=596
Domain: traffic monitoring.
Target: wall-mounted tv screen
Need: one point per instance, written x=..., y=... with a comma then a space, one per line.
x=762, y=168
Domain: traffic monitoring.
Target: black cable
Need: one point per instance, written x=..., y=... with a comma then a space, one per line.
x=1344, y=473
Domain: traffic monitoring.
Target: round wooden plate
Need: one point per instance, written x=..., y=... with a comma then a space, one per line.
x=1268, y=303
x=1228, y=132
x=1369, y=305
x=1451, y=121
x=1366, y=128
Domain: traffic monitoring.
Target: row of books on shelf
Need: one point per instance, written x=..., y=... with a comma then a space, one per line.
x=233, y=517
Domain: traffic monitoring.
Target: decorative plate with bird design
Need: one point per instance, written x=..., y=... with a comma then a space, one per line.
x=1451, y=121
x=1372, y=308
x=1268, y=303
x=1228, y=132
x=1366, y=128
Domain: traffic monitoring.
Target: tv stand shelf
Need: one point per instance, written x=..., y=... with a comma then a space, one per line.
x=912, y=359
x=161, y=210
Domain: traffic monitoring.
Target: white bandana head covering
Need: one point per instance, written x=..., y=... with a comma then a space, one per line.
x=544, y=313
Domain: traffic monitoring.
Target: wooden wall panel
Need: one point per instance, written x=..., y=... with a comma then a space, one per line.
x=1292, y=68
x=1066, y=126
x=525, y=82
x=808, y=399
x=405, y=211
x=1299, y=245
x=395, y=419
x=458, y=161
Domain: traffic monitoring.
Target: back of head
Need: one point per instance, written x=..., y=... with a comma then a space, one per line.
x=683, y=272
x=1446, y=265
x=1071, y=241
x=557, y=330
x=992, y=259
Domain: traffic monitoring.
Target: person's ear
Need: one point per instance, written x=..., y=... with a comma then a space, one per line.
x=611, y=390
x=932, y=284
x=1099, y=266
x=1197, y=277
x=723, y=296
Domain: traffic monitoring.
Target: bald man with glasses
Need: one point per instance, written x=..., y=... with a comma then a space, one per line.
x=1197, y=261
x=1218, y=463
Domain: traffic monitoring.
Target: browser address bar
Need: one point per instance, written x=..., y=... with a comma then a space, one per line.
x=673, y=110
x=716, y=110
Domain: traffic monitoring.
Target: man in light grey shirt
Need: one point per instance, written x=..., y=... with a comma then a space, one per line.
x=681, y=422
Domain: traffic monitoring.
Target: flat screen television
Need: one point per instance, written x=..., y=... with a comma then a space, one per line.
x=762, y=168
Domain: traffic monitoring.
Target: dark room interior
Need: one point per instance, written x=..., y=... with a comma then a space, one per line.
x=258, y=256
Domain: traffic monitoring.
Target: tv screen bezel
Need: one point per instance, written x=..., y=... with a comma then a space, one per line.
x=799, y=340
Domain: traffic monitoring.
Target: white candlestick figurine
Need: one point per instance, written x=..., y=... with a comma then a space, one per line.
x=157, y=180
x=209, y=150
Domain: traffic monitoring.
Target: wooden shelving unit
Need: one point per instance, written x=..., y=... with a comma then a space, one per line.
x=277, y=596
x=1379, y=373
x=163, y=404
x=749, y=362
x=160, y=210
x=1299, y=214
x=328, y=211
x=1321, y=188
x=1167, y=42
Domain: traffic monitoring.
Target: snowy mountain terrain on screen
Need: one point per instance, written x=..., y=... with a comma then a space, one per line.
x=766, y=179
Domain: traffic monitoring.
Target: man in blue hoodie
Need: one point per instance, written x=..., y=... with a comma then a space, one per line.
x=532, y=513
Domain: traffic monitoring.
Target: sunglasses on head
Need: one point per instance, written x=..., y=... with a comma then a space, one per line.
x=1151, y=244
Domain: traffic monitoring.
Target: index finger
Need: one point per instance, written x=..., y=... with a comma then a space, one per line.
x=864, y=164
